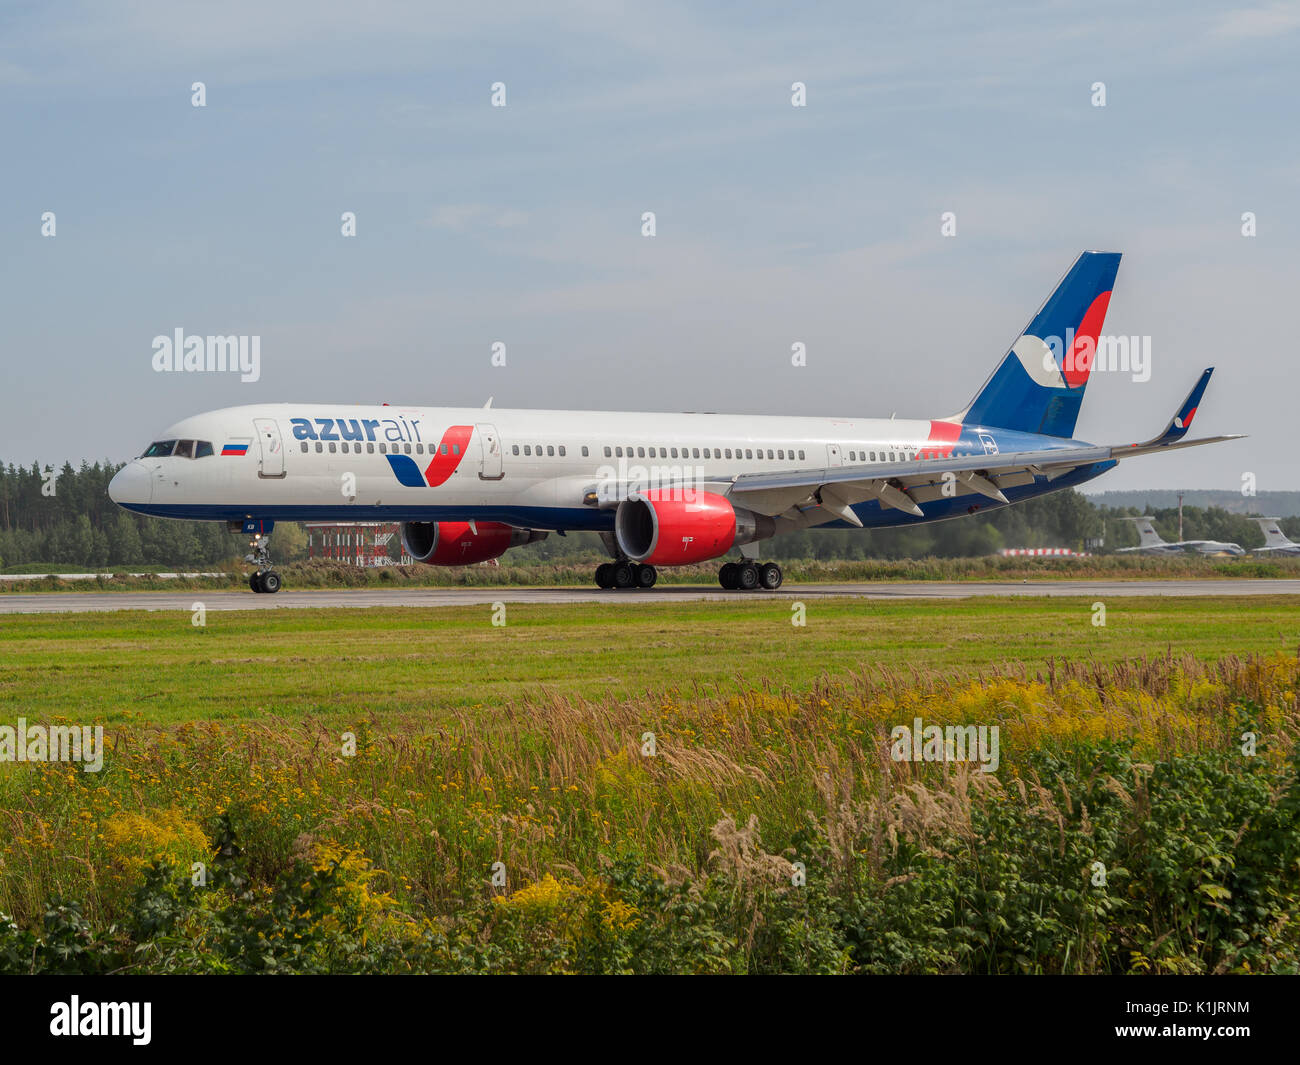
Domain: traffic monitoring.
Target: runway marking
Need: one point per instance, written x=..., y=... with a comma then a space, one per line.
x=329, y=598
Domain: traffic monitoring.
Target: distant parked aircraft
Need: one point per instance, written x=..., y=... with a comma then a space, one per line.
x=1275, y=541
x=1150, y=543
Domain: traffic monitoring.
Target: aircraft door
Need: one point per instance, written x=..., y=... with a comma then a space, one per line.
x=272, y=447
x=834, y=457
x=490, y=453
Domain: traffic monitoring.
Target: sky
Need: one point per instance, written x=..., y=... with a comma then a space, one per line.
x=522, y=224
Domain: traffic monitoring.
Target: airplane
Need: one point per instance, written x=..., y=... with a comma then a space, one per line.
x=1275, y=541
x=468, y=484
x=1150, y=543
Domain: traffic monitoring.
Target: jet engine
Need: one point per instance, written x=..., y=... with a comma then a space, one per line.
x=676, y=527
x=455, y=543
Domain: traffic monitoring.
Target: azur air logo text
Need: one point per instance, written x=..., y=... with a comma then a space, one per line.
x=447, y=453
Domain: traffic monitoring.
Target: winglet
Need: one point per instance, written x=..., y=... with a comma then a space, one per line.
x=1182, y=421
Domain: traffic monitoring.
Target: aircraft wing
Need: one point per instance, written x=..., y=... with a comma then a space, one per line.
x=821, y=495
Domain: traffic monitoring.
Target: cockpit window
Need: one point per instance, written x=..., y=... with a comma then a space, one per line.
x=184, y=449
x=202, y=449
x=159, y=450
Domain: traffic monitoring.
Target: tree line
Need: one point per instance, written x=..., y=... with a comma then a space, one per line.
x=65, y=517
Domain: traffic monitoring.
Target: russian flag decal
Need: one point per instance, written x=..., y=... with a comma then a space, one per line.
x=236, y=449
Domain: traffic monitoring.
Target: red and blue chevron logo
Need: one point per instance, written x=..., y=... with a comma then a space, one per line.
x=447, y=456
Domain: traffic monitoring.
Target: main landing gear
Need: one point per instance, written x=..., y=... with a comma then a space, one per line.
x=743, y=576
x=747, y=576
x=265, y=579
x=624, y=574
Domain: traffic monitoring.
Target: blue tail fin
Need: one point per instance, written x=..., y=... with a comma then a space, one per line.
x=1038, y=387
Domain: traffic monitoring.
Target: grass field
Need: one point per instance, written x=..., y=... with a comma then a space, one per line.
x=345, y=664
x=500, y=810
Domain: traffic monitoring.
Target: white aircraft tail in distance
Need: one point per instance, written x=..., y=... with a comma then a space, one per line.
x=661, y=489
x=1151, y=543
x=1275, y=540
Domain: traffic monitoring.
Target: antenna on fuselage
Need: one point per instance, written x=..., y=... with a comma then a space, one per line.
x=489, y=402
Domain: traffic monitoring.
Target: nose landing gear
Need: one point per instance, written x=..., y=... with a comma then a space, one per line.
x=264, y=579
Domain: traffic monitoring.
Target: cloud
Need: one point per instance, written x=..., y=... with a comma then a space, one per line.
x=1259, y=21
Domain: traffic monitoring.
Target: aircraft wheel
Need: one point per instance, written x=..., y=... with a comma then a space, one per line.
x=605, y=575
x=623, y=575
x=270, y=582
x=727, y=576
x=769, y=576
x=747, y=577
x=646, y=576
x=255, y=581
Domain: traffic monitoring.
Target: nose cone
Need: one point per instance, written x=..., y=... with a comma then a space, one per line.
x=131, y=485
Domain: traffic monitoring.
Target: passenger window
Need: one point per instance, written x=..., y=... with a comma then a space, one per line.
x=528, y=449
x=455, y=449
x=800, y=454
x=419, y=449
x=333, y=449
x=584, y=451
x=607, y=451
x=619, y=452
x=383, y=448
x=443, y=449
x=749, y=454
x=561, y=451
x=514, y=450
x=728, y=452
x=304, y=447
x=408, y=448
x=550, y=450
x=640, y=452
x=370, y=449
x=204, y=448
x=319, y=447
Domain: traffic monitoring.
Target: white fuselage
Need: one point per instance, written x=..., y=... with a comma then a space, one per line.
x=531, y=469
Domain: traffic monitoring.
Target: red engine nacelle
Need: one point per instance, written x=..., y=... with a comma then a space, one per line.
x=454, y=543
x=668, y=527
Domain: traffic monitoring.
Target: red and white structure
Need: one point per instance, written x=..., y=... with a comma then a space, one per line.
x=1037, y=552
x=358, y=544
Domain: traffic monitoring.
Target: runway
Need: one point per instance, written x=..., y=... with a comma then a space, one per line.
x=326, y=599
